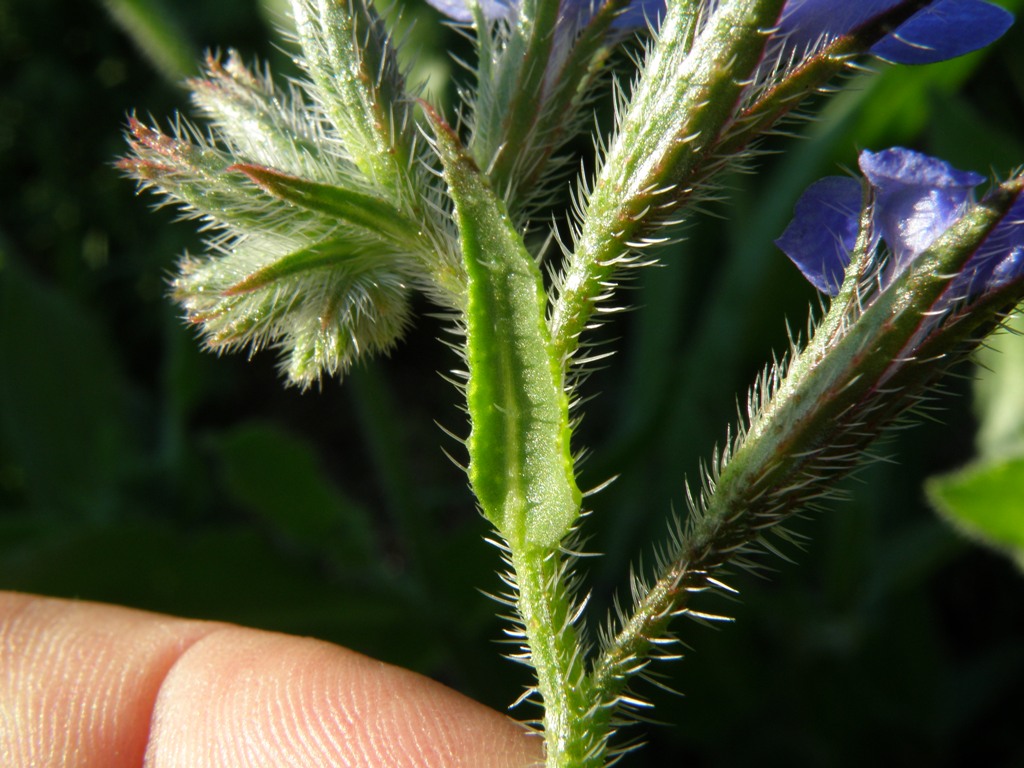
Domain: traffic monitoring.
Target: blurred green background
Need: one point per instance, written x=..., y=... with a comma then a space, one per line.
x=136, y=469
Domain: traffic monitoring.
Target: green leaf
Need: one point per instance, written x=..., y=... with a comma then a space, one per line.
x=533, y=77
x=324, y=306
x=261, y=123
x=985, y=502
x=193, y=173
x=335, y=253
x=366, y=211
x=520, y=467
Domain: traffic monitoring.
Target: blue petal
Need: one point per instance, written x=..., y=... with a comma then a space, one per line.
x=1000, y=258
x=824, y=231
x=639, y=12
x=917, y=198
x=805, y=22
x=460, y=9
x=944, y=30
x=1009, y=269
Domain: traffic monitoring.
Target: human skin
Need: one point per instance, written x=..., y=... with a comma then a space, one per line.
x=85, y=685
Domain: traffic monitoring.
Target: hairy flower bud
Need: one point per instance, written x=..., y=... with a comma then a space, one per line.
x=322, y=217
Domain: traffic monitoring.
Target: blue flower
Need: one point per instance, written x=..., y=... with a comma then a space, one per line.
x=944, y=30
x=914, y=198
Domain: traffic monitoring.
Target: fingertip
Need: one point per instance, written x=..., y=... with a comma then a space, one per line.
x=80, y=679
x=243, y=697
x=90, y=685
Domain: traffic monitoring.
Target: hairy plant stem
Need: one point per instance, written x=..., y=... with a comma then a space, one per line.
x=869, y=361
x=545, y=609
x=544, y=107
x=682, y=155
x=536, y=25
x=685, y=98
x=810, y=75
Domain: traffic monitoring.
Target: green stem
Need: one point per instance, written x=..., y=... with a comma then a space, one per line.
x=691, y=112
x=807, y=78
x=686, y=97
x=549, y=93
x=545, y=608
x=856, y=375
x=538, y=21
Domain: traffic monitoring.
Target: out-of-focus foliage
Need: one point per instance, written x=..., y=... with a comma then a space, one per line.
x=137, y=470
x=158, y=35
x=985, y=500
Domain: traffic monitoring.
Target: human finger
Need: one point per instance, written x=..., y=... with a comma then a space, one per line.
x=84, y=685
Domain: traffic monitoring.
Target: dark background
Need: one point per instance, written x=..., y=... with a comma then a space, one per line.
x=136, y=469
